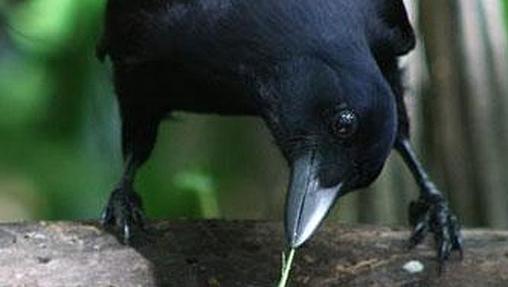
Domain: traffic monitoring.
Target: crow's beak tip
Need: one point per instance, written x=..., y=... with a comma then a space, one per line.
x=308, y=202
x=296, y=241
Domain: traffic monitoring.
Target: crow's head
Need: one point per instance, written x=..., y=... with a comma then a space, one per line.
x=335, y=121
x=330, y=106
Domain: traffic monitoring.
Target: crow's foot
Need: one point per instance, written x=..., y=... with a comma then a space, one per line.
x=124, y=210
x=435, y=217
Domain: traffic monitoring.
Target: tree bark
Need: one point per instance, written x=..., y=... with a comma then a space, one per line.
x=241, y=253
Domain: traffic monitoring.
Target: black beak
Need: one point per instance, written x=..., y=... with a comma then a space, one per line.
x=308, y=202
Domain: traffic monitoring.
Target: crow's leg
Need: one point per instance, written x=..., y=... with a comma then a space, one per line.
x=124, y=208
x=430, y=213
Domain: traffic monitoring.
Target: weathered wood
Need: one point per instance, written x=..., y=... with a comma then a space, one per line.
x=217, y=253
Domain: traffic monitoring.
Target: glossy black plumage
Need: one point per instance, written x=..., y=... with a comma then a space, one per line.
x=300, y=65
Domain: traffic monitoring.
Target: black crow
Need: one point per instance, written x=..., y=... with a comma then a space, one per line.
x=322, y=74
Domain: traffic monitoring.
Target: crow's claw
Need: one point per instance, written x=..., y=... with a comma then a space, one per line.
x=124, y=210
x=435, y=217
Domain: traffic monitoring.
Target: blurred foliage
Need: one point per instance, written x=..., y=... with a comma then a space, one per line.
x=46, y=75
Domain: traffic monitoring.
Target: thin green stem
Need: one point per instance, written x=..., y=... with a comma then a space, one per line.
x=286, y=267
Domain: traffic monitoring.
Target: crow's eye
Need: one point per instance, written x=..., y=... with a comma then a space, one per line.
x=346, y=123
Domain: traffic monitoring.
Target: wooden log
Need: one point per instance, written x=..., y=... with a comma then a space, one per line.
x=237, y=253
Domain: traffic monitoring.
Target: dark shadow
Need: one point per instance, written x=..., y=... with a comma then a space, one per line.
x=211, y=253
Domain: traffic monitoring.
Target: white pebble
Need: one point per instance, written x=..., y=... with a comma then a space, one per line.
x=414, y=266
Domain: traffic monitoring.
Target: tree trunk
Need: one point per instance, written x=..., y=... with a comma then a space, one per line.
x=464, y=106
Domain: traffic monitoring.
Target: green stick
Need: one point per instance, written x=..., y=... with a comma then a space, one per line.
x=286, y=267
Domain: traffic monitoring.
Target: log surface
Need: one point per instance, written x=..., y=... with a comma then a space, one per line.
x=238, y=253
